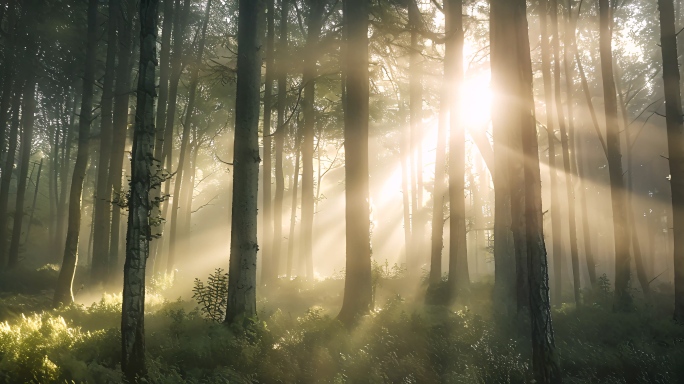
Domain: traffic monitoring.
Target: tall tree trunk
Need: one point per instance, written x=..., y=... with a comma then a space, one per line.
x=279, y=134
x=416, y=255
x=162, y=97
x=459, y=277
x=67, y=139
x=565, y=144
x=269, y=270
x=548, y=55
x=512, y=72
x=179, y=29
x=617, y=189
x=35, y=200
x=675, y=144
x=183, y=159
x=8, y=72
x=357, y=283
x=314, y=25
x=8, y=169
x=102, y=212
x=63, y=291
x=120, y=125
x=140, y=206
x=293, y=212
x=243, y=236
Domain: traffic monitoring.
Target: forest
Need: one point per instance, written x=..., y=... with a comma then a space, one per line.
x=341, y=191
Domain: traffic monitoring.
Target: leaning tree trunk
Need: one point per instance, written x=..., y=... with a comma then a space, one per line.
x=279, y=134
x=269, y=269
x=459, y=277
x=140, y=205
x=243, y=233
x=617, y=188
x=63, y=291
x=314, y=25
x=102, y=212
x=357, y=283
x=675, y=144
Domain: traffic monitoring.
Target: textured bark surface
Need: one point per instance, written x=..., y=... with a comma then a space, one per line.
x=357, y=284
x=623, y=299
x=140, y=206
x=675, y=144
x=102, y=211
x=8, y=169
x=314, y=23
x=459, y=276
x=243, y=236
x=63, y=291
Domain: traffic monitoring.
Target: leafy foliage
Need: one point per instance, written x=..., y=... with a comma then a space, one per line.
x=212, y=297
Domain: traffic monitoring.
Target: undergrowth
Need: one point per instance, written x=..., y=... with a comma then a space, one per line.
x=401, y=342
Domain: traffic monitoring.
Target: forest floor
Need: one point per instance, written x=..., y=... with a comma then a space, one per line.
x=296, y=338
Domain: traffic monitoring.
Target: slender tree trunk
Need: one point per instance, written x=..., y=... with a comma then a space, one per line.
x=7, y=75
x=269, y=270
x=279, y=134
x=8, y=169
x=140, y=206
x=416, y=125
x=28, y=111
x=565, y=144
x=405, y=155
x=293, y=212
x=459, y=276
x=622, y=263
x=243, y=237
x=35, y=200
x=122, y=92
x=163, y=94
x=63, y=291
x=675, y=144
x=64, y=176
x=183, y=159
x=550, y=54
x=357, y=285
x=102, y=212
x=314, y=25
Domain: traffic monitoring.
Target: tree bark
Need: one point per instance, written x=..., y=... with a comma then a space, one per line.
x=8, y=72
x=102, y=212
x=623, y=299
x=140, y=206
x=357, y=285
x=293, y=212
x=675, y=144
x=35, y=200
x=243, y=246
x=63, y=292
